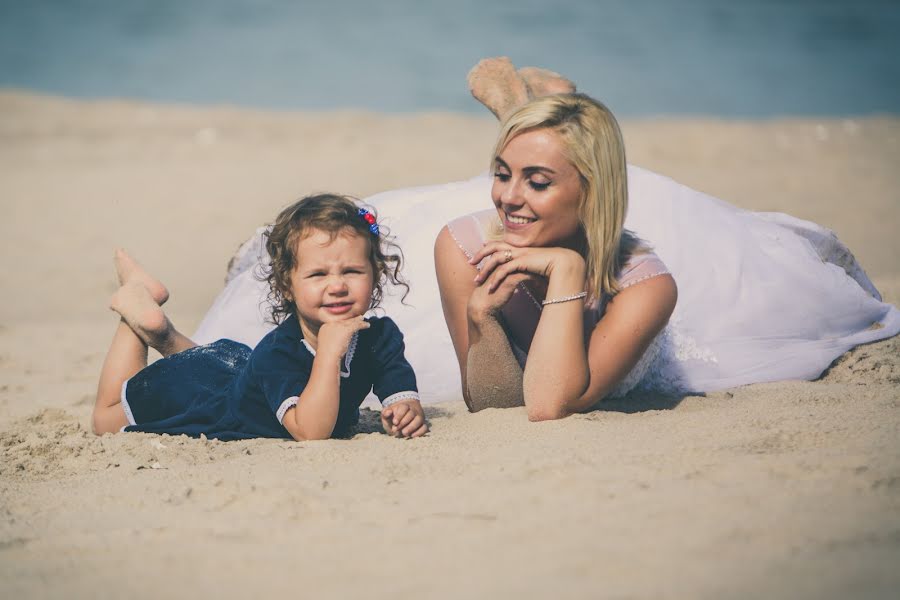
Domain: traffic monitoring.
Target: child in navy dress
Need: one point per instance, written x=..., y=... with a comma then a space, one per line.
x=307, y=378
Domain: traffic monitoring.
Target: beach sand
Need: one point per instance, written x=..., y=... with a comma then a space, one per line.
x=787, y=490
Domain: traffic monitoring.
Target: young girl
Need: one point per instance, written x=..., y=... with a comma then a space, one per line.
x=307, y=378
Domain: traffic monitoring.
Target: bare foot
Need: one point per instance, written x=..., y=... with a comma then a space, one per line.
x=495, y=83
x=129, y=270
x=139, y=309
x=542, y=82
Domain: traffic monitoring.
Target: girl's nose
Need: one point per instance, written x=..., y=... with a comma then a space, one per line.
x=337, y=285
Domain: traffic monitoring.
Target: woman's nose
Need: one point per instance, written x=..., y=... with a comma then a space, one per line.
x=511, y=193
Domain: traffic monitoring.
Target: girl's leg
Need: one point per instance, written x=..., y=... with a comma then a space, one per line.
x=143, y=324
x=147, y=320
x=158, y=332
x=128, y=269
x=126, y=356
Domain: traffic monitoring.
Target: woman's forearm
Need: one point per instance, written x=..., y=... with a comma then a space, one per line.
x=557, y=372
x=493, y=377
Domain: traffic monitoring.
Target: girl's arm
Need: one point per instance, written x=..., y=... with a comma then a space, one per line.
x=316, y=412
x=490, y=373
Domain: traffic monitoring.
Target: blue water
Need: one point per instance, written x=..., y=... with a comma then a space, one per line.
x=642, y=57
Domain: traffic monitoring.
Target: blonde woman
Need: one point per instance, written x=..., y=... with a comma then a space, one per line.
x=552, y=258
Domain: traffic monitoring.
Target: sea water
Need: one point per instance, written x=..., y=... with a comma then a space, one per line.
x=642, y=57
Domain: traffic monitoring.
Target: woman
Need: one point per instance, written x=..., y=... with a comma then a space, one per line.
x=560, y=193
x=760, y=296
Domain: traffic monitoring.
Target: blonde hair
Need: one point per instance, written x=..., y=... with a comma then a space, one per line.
x=594, y=146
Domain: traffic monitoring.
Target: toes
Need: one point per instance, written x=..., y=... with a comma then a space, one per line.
x=543, y=82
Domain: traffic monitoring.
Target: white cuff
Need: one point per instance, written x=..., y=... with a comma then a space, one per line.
x=399, y=397
x=287, y=404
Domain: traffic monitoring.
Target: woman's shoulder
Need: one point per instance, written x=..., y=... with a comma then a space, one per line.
x=471, y=231
x=640, y=263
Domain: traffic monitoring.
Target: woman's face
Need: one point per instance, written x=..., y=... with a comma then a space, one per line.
x=537, y=191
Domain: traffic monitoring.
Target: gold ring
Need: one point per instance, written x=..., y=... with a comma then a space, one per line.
x=507, y=256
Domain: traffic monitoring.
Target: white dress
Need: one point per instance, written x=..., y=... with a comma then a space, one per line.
x=761, y=296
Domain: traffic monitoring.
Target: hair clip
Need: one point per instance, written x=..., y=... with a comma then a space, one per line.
x=370, y=219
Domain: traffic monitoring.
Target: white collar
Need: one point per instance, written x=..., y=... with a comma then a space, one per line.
x=351, y=350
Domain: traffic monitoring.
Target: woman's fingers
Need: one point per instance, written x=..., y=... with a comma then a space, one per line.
x=491, y=255
x=508, y=274
x=487, y=250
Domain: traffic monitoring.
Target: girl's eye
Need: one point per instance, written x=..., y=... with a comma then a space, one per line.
x=316, y=274
x=353, y=271
x=539, y=186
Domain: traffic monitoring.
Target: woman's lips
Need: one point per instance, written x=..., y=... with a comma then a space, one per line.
x=516, y=222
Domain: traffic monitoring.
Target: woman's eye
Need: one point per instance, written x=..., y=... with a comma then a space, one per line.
x=501, y=176
x=539, y=186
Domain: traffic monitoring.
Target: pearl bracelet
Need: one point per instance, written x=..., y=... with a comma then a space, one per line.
x=577, y=296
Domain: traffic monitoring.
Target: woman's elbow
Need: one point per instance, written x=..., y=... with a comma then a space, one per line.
x=549, y=409
x=547, y=413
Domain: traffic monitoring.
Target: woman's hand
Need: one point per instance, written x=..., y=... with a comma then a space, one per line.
x=501, y=261
x=485, y=302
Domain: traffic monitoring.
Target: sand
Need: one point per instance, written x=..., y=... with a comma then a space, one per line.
x=788, y=490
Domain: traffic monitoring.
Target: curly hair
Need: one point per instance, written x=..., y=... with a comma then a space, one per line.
x=334, y=214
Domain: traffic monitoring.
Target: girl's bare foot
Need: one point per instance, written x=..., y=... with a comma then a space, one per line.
x=134, y=302
x=495, y=83
x=129, y=270
x=542, y=82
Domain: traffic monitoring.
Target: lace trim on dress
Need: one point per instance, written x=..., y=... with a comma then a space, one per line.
x=351, y=350
x=285, y=406
x=644, y=278
x=468, y=254
x=398, y=397
x=661, y=368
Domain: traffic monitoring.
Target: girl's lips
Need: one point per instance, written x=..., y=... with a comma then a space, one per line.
x=338, y=308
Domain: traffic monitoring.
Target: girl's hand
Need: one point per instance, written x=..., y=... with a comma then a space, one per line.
x=334, y=336
x=404, y=419
x=503, y=260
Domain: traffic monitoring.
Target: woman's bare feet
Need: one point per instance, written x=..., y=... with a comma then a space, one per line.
x=134, y=302
x=542, y=82
x=495, y=83
x=129, y=270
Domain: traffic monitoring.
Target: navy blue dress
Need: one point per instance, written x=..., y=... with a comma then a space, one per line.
x=226, y=391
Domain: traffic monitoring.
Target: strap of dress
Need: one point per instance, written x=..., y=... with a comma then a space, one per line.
x=472, y=230
x=641, y=267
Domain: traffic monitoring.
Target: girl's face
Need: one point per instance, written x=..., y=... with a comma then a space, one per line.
x=333, y=279
x=537, y=191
